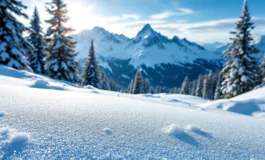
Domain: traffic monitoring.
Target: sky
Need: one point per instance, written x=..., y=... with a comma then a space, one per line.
x=201, y=21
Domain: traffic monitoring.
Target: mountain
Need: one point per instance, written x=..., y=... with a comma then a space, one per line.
x=212, y=46
x=157, y=55
x=258, y=42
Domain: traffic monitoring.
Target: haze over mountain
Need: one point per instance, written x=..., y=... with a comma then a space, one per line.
x=259, y=43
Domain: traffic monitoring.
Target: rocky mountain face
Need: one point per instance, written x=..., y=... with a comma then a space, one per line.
x=164, y=61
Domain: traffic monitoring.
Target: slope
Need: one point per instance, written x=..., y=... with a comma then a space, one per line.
x=86, y=123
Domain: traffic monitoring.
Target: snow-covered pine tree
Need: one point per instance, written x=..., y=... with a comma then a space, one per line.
x=240, y=73
x=218, y=93
x=262, y=69
x=36, y=59
x=163, y=90
x=194, y=86
x=13, y=46
x=145, y=86
x=103, y=81
x=199, y=87
x=130, y=87
x=152, y=90
x=138, y=80
x=208, y=86
x=91, y=70
x=185, y=86
x=59, y=61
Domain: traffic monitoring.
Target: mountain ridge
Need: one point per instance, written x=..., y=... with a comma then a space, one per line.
x=158, y=56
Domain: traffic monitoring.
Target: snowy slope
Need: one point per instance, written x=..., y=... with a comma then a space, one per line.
x=212, y=46
x=148, y=47
x=251, y=103
x=45, y=122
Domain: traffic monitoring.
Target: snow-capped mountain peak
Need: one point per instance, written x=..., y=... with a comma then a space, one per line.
x=146, y=48
x=146, y=30
x=147, y=37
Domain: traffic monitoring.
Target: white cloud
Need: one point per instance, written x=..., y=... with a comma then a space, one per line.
x=130, y=16
x=207, y=26
x=167, y=14
x=163, y=15
x=184, y=11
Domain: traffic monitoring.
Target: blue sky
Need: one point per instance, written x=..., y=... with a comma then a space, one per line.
x=201, y=21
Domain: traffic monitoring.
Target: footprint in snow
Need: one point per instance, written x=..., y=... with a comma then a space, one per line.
x=2, y=114
x=107, y=131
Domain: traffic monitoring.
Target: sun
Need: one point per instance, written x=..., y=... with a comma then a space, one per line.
x=82, y=16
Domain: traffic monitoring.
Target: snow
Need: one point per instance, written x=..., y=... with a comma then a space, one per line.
x=174, y=130
x=12, y=141
x=251, y=103
x=108, y=131
x=143, y=49
x=2, y=114
x=17, y=142
x=198, y=130
x=74, y=123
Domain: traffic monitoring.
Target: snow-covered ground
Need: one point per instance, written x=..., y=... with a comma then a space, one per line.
x=41, y=118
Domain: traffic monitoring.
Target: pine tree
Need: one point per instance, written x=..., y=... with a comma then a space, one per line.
x=59, y=62
x=240, y=73
x=158, y=89
x=208, y=86
x=185, y=86
x=199, y=87
x=194, y=86
x=218, y=93
x=103, y=81
x=137, y=85
x=13, y=46
x=145, y=86
x=262, y=69
x=91, y=69
x=36, y=39
x=152, y=90
x=131, y=86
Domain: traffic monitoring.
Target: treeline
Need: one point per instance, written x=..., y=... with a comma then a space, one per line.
x=206, y=86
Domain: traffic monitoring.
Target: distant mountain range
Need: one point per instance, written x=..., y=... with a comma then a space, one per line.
x=164, y=61
x=219, y=48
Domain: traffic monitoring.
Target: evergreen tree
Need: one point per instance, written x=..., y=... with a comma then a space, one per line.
x=114, y=86
x=218, y=93
x=36, y=39
x=145, y=86
x=208, y=86
x=13, y=46
x=185, y=86
x=137, y=85
x=158, y=89
x=262, y=69
x=240, y=73
x=199, y=87
x=103, y=81
x=194, y=86
x=91, y=71
x=131, y=86
x=152, y=90
x=163, y=90
x=59, y=62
